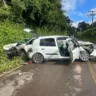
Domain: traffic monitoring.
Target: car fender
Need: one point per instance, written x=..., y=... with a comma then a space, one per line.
x=81, y=49
x=93, y=53
x=26, y=48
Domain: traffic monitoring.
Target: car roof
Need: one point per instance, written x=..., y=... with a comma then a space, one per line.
x=53, y=36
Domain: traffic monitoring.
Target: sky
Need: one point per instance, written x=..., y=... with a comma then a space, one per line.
x=78, y=10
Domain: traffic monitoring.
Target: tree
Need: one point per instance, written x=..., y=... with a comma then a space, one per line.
x=36, y=13
x=4, y=10
x=82, y=26
x=4, y=3
x=46, y=13
x=17, y=7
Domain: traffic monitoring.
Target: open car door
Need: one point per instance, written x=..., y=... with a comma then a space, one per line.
x=73, y=50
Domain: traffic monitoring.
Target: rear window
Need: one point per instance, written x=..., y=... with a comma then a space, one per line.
x=61, y=40
x=47, y=42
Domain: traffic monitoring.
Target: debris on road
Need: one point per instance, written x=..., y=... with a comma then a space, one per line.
x=27, y=62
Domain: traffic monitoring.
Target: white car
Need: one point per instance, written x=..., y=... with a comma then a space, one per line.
x=55, y=47
x=15, y=49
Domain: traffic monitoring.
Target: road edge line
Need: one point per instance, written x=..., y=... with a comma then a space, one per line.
x=92, y=72
x=5, y=73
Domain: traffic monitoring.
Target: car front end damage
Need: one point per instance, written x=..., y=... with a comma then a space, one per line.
x=89, y=47
x=10, y=50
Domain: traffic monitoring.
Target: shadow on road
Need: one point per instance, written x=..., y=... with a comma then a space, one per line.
x=58, y=62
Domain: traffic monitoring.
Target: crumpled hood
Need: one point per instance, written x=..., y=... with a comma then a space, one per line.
x=9, y=46
x=84, y=43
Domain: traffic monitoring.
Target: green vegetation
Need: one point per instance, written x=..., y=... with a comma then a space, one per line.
x=35, y=13
x=43, y=16
x=85, y=31
x=9, y=33
x=9, y=64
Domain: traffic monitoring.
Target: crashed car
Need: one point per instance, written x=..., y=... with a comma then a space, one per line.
x=55, y=47
x=15, y=49
x=88, y=46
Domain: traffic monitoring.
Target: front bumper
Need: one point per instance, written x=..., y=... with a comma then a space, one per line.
x=11, y=53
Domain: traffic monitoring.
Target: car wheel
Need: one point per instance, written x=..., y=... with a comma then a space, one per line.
x=38, y=58
x=84, y=56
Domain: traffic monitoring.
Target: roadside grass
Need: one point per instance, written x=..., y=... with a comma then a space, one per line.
x=90, y=39
x=8, y=64
x=10, y=33
x=45, y=31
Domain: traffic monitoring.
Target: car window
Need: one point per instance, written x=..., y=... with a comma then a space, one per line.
x=30, y=42
x=23, y=41
x=62, y=38
x=72, y=44
x=61, y=41
x=47, y=42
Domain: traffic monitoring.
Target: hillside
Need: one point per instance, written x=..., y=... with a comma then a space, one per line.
x=10, y=33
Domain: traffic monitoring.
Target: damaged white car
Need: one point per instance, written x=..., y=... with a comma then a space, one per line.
x=16, y=49
x=54, y=47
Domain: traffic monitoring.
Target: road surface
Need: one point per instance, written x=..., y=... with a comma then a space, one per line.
x=54, y=78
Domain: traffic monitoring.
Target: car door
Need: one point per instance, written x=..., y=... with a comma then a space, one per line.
x=48, y=48
x=73, y=49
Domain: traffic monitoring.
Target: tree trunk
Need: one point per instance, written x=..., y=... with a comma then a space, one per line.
x=4, y=3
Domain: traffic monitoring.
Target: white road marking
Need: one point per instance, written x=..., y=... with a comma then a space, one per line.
x=92, y=72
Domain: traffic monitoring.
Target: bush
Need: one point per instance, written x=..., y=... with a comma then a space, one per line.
x=10, y=33
x=89, y=35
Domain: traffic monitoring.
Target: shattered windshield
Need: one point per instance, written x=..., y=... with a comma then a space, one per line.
x=23, y=41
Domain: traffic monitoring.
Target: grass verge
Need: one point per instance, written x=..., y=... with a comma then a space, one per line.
x=10, y=64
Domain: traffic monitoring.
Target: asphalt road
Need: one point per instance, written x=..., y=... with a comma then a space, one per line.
x=54, y=78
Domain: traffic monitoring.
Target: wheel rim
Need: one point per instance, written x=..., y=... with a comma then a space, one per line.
x=84, y=56
x=38, y=58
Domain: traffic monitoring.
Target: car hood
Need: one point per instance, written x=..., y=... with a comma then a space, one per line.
x=9, y=46
x=84, y=43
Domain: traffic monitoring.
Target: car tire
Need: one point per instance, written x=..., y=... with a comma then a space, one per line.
x=84, y=56
x=38, y=58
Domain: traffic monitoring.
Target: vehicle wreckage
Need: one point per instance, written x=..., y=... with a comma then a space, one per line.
x=42, y=48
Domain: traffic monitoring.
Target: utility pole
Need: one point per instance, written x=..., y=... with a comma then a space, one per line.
x=92, y=13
